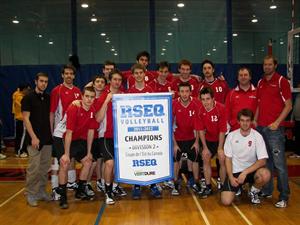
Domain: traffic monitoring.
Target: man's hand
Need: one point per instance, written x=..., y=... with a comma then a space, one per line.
x=234, y=181
x=221, y=155
x=76, y=103
x=241, y=178
x=176, y=149
x=35, y=142
x=88, y=158
x=273, y=126
x=65, y=159
x=206, y=154
x=196, y=147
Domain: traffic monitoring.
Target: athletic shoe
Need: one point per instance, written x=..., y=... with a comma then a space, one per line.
x=109, y=199
x=159, y=187
x=24, y=155
x=219, y=184
x=82, y=194
x=203, y=183
x=254, y=197
x=72, y=186
x=32, y=201
x=89, y=190
x=136, y=192
x=204, y=193
x=43, y=196
x=196, y=188
x=175, y=192
x=2, y=156
x=119, y=191
x=239, y=192
x=155, y=192
x=263, y=195
x=169, y=184
x=281, y=204
x=55, y=194
x=100, y=187
x=294, y=156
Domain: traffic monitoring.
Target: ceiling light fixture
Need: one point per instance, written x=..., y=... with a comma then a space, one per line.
x=115, y=53
x=50, y=42
x=84, y=5
x=15, y=20
x=180, y=4
x=162, y=53
x=175, y=18
x=39, y=36
x=94, y=18
x=169, y=34
x=107, y=41
x=208, y=53
x=214, y=49
x=225, y=41
x=297, y=35
x=273, y=6
x=234, y=34
x=103, y=34
x=254, y=19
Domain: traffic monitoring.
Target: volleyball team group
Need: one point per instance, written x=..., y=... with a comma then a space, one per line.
x=242, y=127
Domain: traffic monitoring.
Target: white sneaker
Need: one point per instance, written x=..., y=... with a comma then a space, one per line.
x=175, y=192
x=2, y=156
x=24, y=155
x=89, y=190
x=254, y=197
x=169, y=184
x=72, y=186
x=100, y=186
x=281, y=204
x=55, y=195
x=109, y=199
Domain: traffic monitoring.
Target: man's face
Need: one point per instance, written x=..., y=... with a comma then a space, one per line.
x=207, y=101
x=68, y=76
x=99, y=84
x=185, y=70
x=184, y=93
x=88, y=98
x=245, y=123
x=116, y=81
x=163, y=72
x=244, y=77
x=269, y=66
x=143, y=60
x=107, y=69
x=139, y=75
x=41, y=83
x=208, y=70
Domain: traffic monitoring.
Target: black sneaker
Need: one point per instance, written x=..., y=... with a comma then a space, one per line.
x=196, y=188
x=90, y=190
x=72, y=186
x=63, y=203
x=204, y=193
x=82, y=194
x=119, y=191
x=263, y=195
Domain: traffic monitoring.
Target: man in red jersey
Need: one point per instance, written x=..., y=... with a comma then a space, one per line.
x=220, y=87
x=241, y=97
x=212, y=129
x=161, y=84
x=78, y=138
x=185, y=69
x=185, y=112
x=107, y=68
x=140, y=86
x=274, y=104
x=105, y=116
x=61, y=97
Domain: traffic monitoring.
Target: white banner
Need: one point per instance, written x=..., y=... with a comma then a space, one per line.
x=143, y=138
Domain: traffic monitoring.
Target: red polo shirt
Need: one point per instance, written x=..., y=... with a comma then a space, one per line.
x=271, y=96
x=238, y=99
x=157, y=87
x=220, y=88
x=192, y=81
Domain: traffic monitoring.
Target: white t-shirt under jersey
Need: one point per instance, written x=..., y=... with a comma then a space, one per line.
x=244, y=151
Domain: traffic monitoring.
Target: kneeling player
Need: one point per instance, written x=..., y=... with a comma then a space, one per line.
x=245, y=158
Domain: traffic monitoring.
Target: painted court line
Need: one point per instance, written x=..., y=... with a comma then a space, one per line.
x=236, y=208
x=198, y=204
x=100, y=213
x=12, y=197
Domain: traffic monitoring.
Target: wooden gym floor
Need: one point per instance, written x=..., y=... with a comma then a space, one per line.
x=174, y=210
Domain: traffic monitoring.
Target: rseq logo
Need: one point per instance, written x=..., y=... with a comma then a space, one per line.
x=147, y=110
x=144, y=162
x=148, y=173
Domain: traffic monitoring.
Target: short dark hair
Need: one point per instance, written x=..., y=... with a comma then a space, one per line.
x=163, y=64
x=271, y=57
x=99, y=77
x=184, y=84
x=115, y=71
x=207, y=90
x=108, y=62
x=137, y=66
x=143, y=53
x=41, y=74
x=244, y=68
x=209, y=62
x=91, y=89
x=184, y=62
x=245, y=112
x=68, y=66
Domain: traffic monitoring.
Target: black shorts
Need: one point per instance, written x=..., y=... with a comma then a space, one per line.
x=185, y=147
x=228, y=187
x=108, y=149
x=212, y=147
x=58, y=148
x=97, y=148
x=78, y=148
